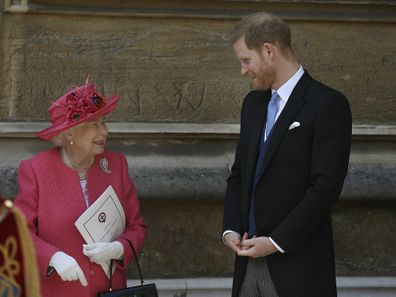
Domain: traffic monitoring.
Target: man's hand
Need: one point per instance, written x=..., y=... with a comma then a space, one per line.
x=256, y=247
x=233, y=241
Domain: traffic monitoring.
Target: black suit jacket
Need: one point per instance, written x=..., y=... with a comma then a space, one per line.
x=301, y=179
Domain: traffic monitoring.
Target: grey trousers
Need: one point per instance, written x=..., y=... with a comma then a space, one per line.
x=257, y=281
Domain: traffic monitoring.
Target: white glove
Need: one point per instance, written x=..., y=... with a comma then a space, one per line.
x=67, y=268
x=102, y=252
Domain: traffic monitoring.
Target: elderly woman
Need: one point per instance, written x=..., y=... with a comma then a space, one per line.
x=58, y=185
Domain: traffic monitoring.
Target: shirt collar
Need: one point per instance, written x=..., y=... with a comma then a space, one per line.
x=286, y=89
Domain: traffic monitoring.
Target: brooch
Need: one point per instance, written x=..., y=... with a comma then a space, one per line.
x=104, y=164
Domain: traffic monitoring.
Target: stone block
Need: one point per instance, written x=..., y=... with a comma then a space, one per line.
x=181, y=69
x=355, y=58
x=184, y=239
x=165, y=70
x=172, y=168
x=365, y=238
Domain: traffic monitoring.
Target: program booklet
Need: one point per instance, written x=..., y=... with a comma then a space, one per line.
x=103, y=221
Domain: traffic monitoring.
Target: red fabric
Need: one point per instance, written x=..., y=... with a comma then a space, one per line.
x=50, y=195
x=18, y=268
x=11, y=257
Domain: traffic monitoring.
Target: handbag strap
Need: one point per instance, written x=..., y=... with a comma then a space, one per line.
x=137, y=263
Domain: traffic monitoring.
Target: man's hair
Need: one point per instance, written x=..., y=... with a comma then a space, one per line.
x=259, y=28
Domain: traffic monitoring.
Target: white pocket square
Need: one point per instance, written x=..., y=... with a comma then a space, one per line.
x=294, y=125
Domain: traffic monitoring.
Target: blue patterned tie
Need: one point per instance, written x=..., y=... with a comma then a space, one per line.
x=271, y=115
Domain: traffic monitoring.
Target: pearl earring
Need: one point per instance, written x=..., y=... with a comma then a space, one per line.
x=71, y=142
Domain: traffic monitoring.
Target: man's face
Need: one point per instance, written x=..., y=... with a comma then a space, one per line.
x=255, y=65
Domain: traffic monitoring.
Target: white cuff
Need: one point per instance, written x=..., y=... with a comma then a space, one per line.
x=277, y=246
x=229, y=231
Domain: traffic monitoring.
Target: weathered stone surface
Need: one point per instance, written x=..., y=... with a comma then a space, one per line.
x=357, y=59
x=3, y=69
x=365, y=238
x=165, y=71
x=8, y=183
x=346, y=10
x=370, y=181
x=184, y=239
x=192, y=169
x=183, y=70
x=196, y=168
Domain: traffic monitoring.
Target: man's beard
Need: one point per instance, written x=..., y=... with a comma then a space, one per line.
x=263, y=80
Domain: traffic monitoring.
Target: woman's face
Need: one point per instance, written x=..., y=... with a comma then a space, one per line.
x=89, y=138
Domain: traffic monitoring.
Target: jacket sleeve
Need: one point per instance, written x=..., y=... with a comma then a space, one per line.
x=28, y=201
x=232, y=199
x=135, y=228
x=329, y=165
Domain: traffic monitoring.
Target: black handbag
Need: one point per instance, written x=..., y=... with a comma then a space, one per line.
x=149, y=290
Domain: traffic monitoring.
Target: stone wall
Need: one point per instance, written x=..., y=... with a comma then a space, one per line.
x=178, y=118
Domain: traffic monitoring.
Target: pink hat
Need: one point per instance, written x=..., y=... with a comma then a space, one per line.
x=75, y=107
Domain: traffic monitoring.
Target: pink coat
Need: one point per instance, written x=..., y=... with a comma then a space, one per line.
x=51, y=198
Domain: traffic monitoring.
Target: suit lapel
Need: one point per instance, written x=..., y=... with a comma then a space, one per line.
x=258, y=119
x=293, y=105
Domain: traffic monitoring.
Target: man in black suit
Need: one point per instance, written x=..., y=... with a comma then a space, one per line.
x=290, y=164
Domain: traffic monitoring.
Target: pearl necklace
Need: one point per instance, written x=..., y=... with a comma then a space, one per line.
x=65, y=158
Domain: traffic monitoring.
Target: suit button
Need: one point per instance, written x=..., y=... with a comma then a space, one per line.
x=91, y=272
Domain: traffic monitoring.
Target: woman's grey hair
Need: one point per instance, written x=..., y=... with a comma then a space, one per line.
x=259, y=28
x=60, y=139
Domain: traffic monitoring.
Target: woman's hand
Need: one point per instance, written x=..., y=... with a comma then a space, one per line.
x=102, y=252
x=67, y=268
